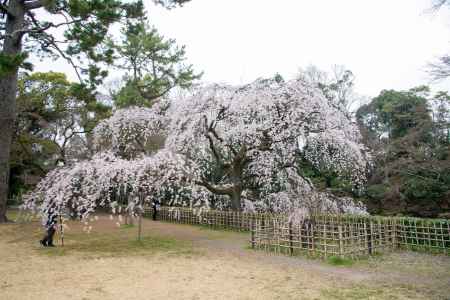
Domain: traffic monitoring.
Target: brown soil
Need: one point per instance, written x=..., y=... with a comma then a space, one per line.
x=198, y=263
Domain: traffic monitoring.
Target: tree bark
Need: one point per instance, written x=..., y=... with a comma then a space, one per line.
x=236, y=179
x=239, y=163
x=8, y=89
x=236, y=198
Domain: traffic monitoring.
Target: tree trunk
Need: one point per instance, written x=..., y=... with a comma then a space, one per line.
x=236, y=199
x=8, y=89
x=236, y=179
x=6, y=125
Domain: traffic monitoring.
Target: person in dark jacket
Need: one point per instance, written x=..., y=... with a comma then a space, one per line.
x=50, y=226
x=155, y=206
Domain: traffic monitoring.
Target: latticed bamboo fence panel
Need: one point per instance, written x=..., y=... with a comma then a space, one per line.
x=239, y=221
x=322, y=235
x=424, y=234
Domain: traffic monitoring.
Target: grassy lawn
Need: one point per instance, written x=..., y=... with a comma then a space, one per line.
x=106, y=240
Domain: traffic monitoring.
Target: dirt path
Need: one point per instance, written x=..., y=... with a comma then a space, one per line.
x=205, y=264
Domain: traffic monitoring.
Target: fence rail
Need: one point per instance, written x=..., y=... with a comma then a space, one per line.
x=322, y=235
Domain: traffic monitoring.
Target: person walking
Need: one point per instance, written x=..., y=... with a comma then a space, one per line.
x=50, y=226
x=155, y=205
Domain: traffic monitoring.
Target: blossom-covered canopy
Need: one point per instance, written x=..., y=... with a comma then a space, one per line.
x=226, y=146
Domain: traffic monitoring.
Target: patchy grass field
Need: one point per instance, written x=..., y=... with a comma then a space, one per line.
x=188, y=262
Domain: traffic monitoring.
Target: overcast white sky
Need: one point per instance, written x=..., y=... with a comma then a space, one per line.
x=386, y=43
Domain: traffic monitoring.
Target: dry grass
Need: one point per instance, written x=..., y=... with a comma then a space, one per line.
x=188, y=262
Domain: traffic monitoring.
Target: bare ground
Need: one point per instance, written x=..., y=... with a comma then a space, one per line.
x=189, y=262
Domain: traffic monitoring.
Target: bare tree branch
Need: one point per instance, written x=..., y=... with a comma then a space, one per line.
x=39, y=28
x=226, y=189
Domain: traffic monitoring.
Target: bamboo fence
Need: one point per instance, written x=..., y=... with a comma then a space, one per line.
x=322, y=235
x=216, y=219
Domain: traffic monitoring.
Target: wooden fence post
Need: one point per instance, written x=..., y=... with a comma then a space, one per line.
x=380, y=234
x=394, y=234
x=252, y=230
x=140, y=218
x=324, y=237
x=366, y=240
x=291, y=249
x=370, y=241
x=61, y=227
x=352, y=235
x=341, y=242
x=140, y=226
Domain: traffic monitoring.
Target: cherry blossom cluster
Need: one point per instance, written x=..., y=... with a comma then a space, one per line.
x=132, y=131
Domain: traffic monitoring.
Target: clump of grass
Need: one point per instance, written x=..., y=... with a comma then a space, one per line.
x=12, y=214
x=339, y=261
x=126, y=226
x=249, y=247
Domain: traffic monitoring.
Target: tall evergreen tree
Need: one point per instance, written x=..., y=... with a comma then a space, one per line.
x=154, y=65
x=84, y=23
